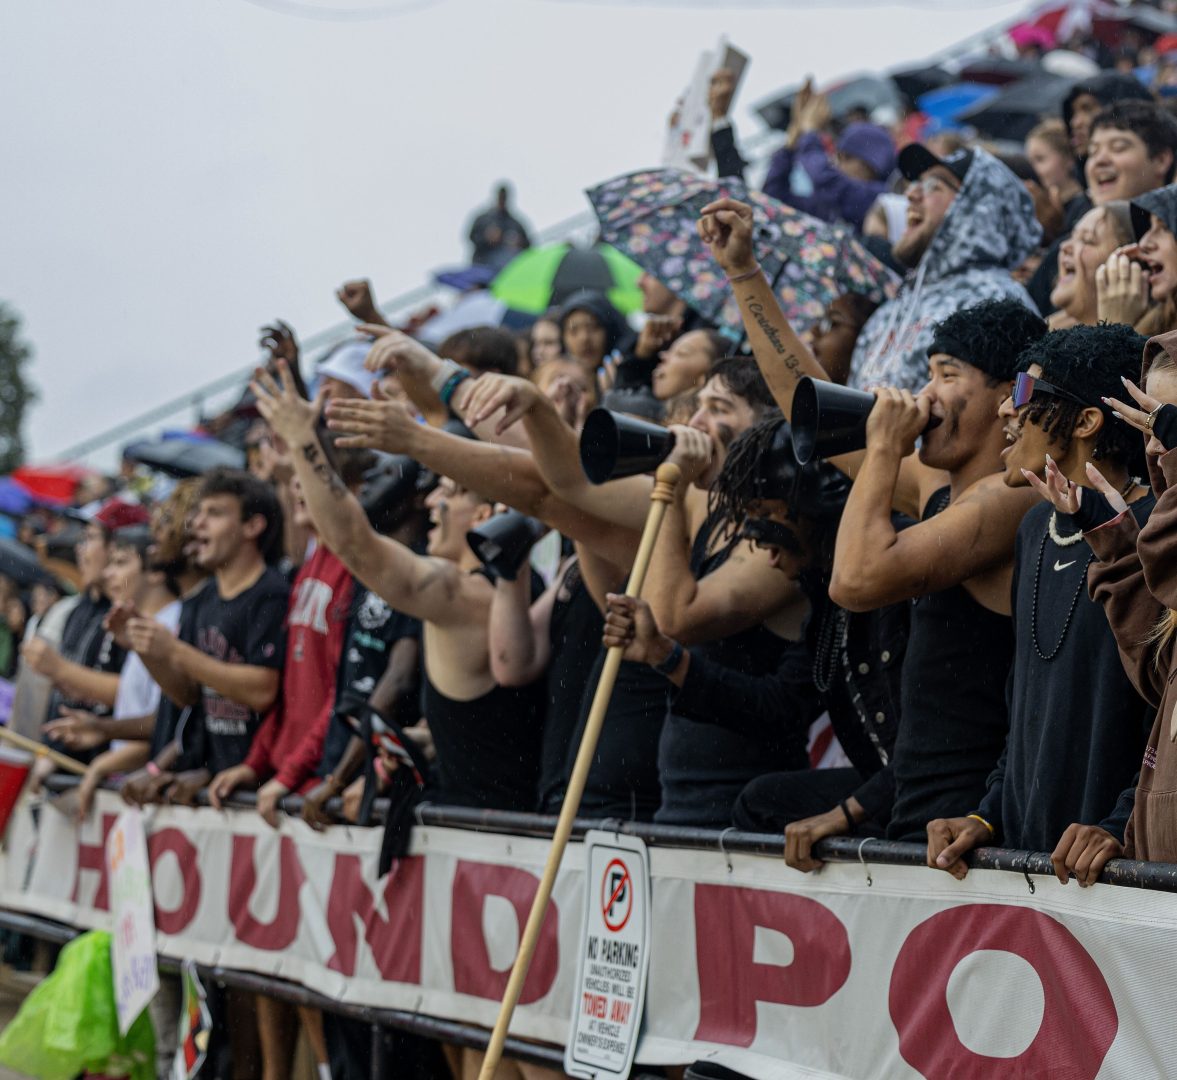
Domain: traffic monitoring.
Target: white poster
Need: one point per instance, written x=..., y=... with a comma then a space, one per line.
x=132, y=942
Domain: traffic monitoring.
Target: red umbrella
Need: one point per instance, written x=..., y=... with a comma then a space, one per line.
x=56, y=484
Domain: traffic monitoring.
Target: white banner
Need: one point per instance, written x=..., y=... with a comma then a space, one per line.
x=775, y=973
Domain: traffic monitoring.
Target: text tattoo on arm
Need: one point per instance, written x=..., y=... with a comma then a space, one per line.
x=792, y=362
x=322, y=470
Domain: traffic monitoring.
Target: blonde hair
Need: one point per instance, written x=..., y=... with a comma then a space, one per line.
x=1054, y=134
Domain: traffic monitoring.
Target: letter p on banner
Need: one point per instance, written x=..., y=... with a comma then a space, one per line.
x=613, y=958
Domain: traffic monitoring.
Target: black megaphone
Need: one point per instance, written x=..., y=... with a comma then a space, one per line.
x=613, y=445
x=829, y=419
x=502, y=542
x=389, y=486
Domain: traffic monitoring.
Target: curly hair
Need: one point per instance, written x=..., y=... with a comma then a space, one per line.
x=990, y=336
x=1089, y=362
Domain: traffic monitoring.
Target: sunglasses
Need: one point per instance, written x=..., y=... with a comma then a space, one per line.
x=1026, y=386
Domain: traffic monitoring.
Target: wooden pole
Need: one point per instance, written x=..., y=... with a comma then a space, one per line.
x=665, y=481
x=41, y=750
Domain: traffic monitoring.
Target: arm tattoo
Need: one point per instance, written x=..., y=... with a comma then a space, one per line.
x=314, y=457
x=774, y=337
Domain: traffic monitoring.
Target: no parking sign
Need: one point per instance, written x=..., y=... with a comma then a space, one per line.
x=610, y=987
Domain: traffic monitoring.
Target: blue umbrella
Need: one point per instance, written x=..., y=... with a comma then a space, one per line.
x=944, y=105
x=13, y=498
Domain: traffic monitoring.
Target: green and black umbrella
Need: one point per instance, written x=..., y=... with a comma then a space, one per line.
x=544, y=277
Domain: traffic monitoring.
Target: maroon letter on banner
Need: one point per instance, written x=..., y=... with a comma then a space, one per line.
x=172, y=922
x=473, y=883
x=281, y=930
x=395, y=940
x=731, y=982
x=1079, y=1020
x=93, y=857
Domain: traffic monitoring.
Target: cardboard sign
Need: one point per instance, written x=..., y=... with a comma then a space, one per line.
x=614, y=958
x=688, y=138
x=132, y=945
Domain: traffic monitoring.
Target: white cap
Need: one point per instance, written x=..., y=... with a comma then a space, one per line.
x=346, y=363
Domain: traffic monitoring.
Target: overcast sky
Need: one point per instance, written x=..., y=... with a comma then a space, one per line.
x=177, y=173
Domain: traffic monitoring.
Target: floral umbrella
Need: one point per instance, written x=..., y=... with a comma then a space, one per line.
x=651, y=217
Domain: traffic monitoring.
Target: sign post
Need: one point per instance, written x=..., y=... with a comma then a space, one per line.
x=132, y=943
x=614, y=958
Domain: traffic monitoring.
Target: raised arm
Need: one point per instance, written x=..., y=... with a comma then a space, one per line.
x=556, y=450
x=428, y=589
x=499, y=473
x=873, y=564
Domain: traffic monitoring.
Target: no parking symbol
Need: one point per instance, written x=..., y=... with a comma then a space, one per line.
x=614, y=958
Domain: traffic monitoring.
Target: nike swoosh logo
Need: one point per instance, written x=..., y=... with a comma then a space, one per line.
x=1062, y=566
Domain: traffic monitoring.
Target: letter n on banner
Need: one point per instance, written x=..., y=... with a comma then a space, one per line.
x=473, y=974
x=730, y=980
x=282, y=929
x=1079, y=1020
x=395, y=940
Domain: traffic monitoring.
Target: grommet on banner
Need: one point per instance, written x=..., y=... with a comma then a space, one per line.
x=726, y=857
x=866, y=840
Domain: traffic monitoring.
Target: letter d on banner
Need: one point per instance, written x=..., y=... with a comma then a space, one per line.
x=614, y=958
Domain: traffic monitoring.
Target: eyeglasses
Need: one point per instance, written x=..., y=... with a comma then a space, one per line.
x=929, y=185
x=1026, y=386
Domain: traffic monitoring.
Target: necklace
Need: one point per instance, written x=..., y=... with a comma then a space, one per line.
x=831, y=640
x=1047, y=657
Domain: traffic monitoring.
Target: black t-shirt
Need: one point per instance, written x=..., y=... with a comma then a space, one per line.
x=249, y=629
x=373, y=629
x=84, y=641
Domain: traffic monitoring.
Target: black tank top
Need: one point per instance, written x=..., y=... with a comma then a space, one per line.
x=952, y=705
x=488, y=749
x=704, y=767
x=575, y=635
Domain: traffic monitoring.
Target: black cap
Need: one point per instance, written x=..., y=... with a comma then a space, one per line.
x=915, y=159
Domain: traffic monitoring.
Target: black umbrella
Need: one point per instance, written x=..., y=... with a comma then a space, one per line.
x=998, y=71
x=1013, y=112
x=185, y=457
x=865, y=92
x=915, y=82
x=19, y=562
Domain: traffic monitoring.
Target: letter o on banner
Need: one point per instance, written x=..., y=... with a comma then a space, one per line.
x=1079, y=1020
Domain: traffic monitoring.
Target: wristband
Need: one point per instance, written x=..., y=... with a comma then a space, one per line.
x=445, y=371
x=849, y=816
x=1094, y=511
x=1164, y=426
x=745, y=276
x=451, y=384
x=668, y=665
x=977, y=817
x=152, y=769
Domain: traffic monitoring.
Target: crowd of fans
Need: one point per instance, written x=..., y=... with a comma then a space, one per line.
x=978, y=597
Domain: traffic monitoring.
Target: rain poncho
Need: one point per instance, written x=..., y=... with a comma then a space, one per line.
x=988, y=231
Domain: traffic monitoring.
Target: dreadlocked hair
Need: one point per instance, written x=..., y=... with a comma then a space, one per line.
x=1088, y=361
x=735, y=489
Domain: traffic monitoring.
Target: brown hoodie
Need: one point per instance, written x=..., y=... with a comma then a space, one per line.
x=1135, y=579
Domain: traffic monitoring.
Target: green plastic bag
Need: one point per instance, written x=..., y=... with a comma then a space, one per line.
x=69, y=1023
